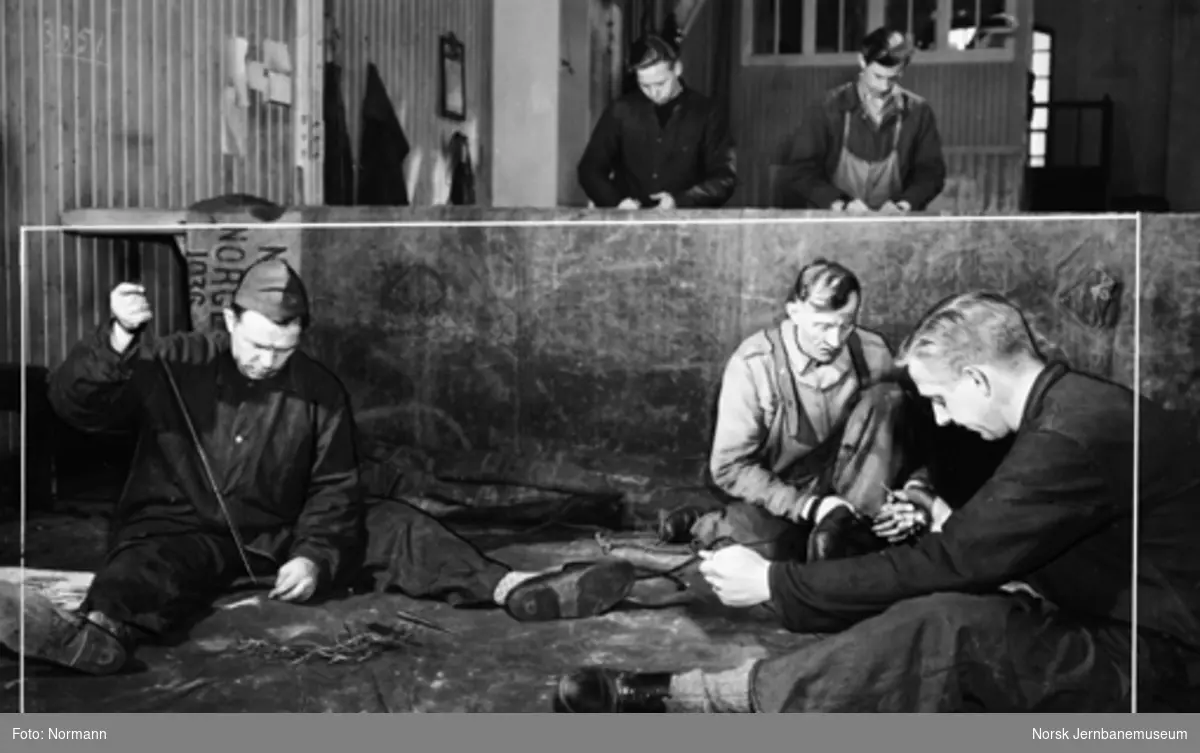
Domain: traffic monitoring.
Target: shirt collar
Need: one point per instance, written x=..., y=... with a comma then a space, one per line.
x=804, y=363
x=1054, y=371
x=851, y=99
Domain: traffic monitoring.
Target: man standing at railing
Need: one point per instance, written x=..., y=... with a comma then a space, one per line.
x=664, y=145
x=869, y=145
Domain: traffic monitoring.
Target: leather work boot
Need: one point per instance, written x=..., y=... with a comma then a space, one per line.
x=578, y=590
x=54, y=635
x=599, y=690
x=842, y=534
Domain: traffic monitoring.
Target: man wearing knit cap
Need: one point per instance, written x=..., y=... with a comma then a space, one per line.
x=278, y=442
x=869, y=145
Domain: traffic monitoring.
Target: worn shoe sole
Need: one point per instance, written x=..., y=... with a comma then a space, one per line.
x=56, y=636
x=572, y=593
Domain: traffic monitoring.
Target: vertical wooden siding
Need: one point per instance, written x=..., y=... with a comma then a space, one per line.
x=116, y=103
x=401, y=39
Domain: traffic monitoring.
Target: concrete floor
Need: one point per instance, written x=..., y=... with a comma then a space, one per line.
x=491, y=663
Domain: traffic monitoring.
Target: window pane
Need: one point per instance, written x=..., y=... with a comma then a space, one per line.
x=964, y=15
x=854, y=26
x=1041, y=64
x=827, y=25
x=791, y=27
x=764, y=27
x=1041, y=119
x=1041, y=91
x=1037, y=144
x=842, y=34
x=917, y=17
x=895, y=14
x=991, y=8
x=1041, y=41
x=1037, y=161
x=924, y=24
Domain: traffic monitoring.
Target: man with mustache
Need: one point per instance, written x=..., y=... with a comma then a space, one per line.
x=811, y=430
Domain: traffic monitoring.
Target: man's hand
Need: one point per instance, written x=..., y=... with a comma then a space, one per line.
x=857, y=207
x=939, y=510
x=296, y=581
x=898, y=520
x=131, y=310
x=664, y=199
x=893, y=207
x=739, y=576
x=629, y=204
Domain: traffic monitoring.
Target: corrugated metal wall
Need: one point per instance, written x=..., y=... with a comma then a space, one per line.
x=401, y=38
x=116, y=103
x=978, y=106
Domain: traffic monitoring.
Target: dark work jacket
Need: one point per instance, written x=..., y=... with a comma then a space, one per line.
x=818, y=147
x=630, y=156
x=283, y=450
x=1057, y=514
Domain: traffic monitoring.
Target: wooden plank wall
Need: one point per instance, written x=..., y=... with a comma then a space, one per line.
x=116, y=103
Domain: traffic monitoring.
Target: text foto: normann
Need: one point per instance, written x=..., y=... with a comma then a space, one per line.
x=54, y=733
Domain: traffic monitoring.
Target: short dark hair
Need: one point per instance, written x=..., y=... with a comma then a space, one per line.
x=652, y=50
x=887, y=47
x=826, y=285
x=238, y=309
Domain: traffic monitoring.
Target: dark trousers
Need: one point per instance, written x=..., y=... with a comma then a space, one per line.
x=877, y=447
x=159, y=584
x=964, y=653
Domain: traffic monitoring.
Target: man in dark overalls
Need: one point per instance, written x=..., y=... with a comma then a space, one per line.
x=869, y=145
x=278, y=438
x=663, y=145
x=810, y=428
x=932, y=627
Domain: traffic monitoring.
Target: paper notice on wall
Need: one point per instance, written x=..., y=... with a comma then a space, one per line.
x=236, y=50
x=279, y=88
x=276, y=57
x=235, y=124
x=256, y=76
x=217, y=257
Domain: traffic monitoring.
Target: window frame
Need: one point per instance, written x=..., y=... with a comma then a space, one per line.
x=875, y=15
x=1049, y=78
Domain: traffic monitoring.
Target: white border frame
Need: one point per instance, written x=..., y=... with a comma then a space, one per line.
x=23, y=266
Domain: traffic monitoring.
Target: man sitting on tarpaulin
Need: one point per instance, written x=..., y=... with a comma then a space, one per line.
x=278, y=445
x=928, y=627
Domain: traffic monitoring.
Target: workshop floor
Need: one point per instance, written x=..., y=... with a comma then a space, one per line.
x=491, y=663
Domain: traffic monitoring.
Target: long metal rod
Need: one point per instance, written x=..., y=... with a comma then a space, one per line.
x=212, y=479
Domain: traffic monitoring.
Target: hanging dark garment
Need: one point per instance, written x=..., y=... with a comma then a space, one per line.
x=384, y=148
x=462, y=174
x=339, y=158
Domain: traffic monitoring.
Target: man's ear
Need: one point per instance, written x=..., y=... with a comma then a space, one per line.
x=979, y=378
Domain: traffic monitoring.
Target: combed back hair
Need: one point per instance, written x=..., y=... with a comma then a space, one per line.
x=825, y=285
x=652, y=50
x=971, y=329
